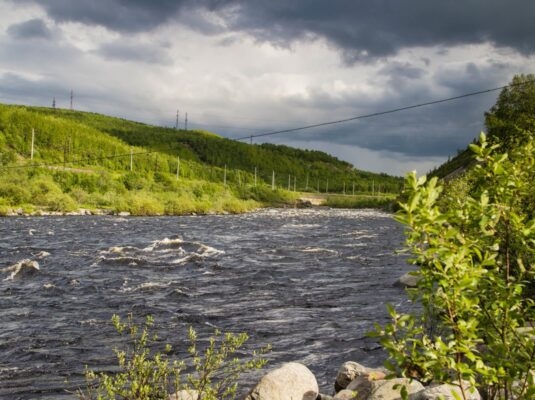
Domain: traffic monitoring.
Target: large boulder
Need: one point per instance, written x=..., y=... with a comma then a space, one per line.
x=366, y=388
x=390, y=389
x=185, y=395
x=345, y=394
x=349, y=371
x=446, y=391
x=290, y=381
x=362, y=384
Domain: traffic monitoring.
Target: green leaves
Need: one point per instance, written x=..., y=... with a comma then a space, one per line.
x=475, y=251
x=147, y=374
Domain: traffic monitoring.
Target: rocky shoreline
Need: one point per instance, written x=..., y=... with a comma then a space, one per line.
x=353, y=382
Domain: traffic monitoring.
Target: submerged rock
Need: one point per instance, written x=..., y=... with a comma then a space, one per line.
x=408, y=280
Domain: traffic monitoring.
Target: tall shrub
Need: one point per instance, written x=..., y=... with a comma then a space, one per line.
x=475, y=255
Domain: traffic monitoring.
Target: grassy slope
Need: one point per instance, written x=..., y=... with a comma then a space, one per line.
x=85, y=162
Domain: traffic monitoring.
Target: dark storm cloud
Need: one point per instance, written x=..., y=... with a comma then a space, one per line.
x=359, y=29
x=32, y=29
x=116, y=15
x=379, y=28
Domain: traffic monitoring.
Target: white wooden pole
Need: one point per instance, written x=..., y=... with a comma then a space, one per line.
x=254, y=176
x=33, y=141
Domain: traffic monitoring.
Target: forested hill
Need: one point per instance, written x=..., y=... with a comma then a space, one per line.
x=311, y=170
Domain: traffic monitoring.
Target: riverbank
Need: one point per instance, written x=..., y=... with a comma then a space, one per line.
x=236, y=207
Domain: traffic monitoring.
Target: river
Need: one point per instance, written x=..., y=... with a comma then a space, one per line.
x=309, y=282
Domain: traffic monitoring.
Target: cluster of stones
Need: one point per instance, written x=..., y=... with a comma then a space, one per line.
x=19, y=212
x=354, y=381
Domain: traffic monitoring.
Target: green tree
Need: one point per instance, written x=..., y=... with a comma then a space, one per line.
x=475, y=255
x=511, y=121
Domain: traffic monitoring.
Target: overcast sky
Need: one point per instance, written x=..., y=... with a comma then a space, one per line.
x=240, y=68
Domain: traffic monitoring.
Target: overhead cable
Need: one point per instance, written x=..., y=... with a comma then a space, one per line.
x=376, y=114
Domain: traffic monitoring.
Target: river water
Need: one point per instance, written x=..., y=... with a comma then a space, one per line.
x=309, y=282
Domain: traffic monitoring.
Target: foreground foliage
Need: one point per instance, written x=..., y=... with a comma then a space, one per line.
x=143, y=373
x=475, y=249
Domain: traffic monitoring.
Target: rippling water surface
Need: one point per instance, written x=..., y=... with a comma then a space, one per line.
x=309, y=282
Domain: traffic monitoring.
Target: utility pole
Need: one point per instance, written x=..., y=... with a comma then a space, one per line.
x=54, y=102
x=186, y=122
x=273, y=181
x=176, y=123
x=289, y=180
x=33, y=140
x=72, y=95
x=177, y=167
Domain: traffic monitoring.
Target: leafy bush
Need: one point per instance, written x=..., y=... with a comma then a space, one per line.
x=142, y=203
x=475, y=255
x=145, y=373
x=60, y=202
x=14, y=194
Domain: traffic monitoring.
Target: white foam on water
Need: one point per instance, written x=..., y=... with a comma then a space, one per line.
x=318, y=250
x=17, y=269
x=165, y=242
x=42, y=254
x=145, y=286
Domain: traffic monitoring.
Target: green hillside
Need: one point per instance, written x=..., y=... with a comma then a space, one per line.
x=509, y=123
x=83, y=159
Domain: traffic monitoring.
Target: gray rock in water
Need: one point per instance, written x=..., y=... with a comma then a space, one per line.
x=407, y=280
x=290, y=381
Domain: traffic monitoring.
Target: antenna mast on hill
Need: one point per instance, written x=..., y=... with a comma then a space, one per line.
x=176, y=123
x=72, y=95
x=54, y=102
x=186, y=122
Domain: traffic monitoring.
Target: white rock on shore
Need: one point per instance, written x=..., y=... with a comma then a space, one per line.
x=290, y=381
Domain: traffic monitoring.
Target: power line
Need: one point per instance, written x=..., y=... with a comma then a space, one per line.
x=376, y=114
